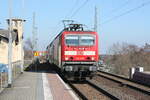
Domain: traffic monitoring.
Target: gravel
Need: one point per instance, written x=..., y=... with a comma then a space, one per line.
x=121, y=91
x=90, y=92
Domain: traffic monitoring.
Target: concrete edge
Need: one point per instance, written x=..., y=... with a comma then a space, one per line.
x=68, y=88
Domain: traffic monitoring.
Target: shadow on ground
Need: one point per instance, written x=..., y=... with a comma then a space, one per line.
x=40, y=67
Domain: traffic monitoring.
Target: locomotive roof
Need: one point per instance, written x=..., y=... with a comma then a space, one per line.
x=72, y=28
x=69, y=31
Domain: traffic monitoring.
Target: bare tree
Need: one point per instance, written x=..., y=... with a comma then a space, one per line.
x=124, y=56
x=28, y=49
x=28, y=44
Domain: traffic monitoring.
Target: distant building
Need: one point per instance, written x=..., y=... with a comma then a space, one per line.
x=17, y=35
x=147, y=48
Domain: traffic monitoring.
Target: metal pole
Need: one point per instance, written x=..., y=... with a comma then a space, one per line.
x=22, y=51
x=34, y=33
x=10, y=46
x=33, y=38
x=95, y=20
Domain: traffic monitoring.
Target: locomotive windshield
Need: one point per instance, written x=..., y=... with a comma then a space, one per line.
x=87, y=40
x=80, y=40
x=72, y=40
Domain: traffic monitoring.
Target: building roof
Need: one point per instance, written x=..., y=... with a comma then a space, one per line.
x=17, y=19
x=5, y=34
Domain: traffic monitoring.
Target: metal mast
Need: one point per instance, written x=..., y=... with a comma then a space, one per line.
x=10, y=45
x=34, y=38
x=95, y=20
x=34, y=33
x=22, y=51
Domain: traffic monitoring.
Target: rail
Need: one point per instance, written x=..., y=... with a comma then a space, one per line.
x=103, y=90
x=122, y=80
x=80, y=94
x=76, y=86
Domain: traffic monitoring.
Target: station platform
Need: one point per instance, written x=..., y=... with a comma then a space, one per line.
x=38, y=86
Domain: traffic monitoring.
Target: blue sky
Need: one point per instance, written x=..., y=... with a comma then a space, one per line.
x=133, y=28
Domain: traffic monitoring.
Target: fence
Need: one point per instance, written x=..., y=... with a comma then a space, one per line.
x=27, y=63
x=3, y=76
x=16, y=70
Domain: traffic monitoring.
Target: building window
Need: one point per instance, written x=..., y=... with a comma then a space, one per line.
x=0, y=40
x=17, y=38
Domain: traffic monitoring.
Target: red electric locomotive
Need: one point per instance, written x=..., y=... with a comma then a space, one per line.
x=75, y=52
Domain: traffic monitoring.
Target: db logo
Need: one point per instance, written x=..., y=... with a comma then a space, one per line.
x=80, y=53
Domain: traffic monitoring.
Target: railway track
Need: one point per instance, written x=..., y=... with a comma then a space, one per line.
x=125, y=78
x=90, y=91
x=121, y=88
x=107, y=87
x=125, y=81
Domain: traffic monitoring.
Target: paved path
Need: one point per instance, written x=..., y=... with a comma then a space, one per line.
x=59, y=89
x=38, y=86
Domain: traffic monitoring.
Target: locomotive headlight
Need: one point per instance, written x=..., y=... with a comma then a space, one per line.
x=89, y=53
x=92, y=58
x=66, y=58
x=70, y=52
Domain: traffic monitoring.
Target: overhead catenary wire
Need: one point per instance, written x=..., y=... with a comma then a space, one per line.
x=75, y=4
x=74, y=13
x=78, y=9
x=72, y=9
x=56, y=30
x=127, y=12
x=120, y=7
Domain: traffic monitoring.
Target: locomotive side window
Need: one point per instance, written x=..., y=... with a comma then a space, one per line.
x=72, y=40
x=87, y=40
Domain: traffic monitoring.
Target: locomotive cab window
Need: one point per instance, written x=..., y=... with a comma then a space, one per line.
x=72, y=40
x=87, y=40
x=82, y=40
